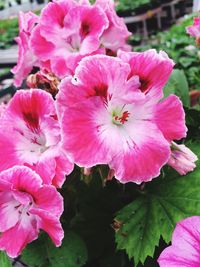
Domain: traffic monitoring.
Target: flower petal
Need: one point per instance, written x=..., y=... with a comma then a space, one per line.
x=14, y=240
x=152, y=68
x=184, y=251
x=47, y=198
x=146, y=152
x=80, y=133
x=170, y=118
x=49, y=224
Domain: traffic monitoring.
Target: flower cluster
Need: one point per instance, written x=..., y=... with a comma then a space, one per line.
x=66, y=32
x=101, y=104
x=32, y=165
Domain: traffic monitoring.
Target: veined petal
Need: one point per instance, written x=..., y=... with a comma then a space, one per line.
x=146, y=152
x=152, y=68
x=81, y=133
x=14, y=240
x=8, y=213
x=48, y=199
x=49, y=224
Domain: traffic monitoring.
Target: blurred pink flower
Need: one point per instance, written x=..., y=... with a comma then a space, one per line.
x=26, y=59
x=116, y=35
x=30, y=136
x=184, y=251
x=26, y=206
x=182, y=159
x=107, y=119
x=194, y=30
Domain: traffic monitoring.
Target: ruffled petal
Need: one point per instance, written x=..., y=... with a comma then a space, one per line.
x=170, y=118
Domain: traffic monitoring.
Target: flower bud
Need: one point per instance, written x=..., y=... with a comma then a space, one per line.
x=182, y=159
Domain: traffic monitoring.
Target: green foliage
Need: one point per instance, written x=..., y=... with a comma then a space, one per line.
x=163, y=203
x=123, y=5
x=35, y=253
x=193, y=123
x=4, y=71
x=177, y=84
x=4, y=260
x=8, y=31
x=96, y=206
x=42, y=252
x=72, y=253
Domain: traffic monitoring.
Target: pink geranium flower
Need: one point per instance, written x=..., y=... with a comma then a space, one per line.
x=182, y=159
x=26, y=59
x=26, y=206
x=30, y=136
x=194, y=30
x=107, y=119
x=74, y=33
x=184, y=251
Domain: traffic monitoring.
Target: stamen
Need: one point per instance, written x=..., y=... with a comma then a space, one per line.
x=16, y=207
x=117, y=119
x=124, y=117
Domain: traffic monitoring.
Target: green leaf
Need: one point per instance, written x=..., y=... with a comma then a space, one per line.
x=163, y=203
x=177, y=84
x=4, y=260
x=43, y=253
x=97, y=204
x=35, y=253
x=72, y=253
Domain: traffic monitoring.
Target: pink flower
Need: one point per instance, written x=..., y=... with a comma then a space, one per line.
x=184, y=251
x=74, y=33
x=30, y=136
x=153, y=70
x=116, y=35
x=26, y=59
x=182, y=159
x=26, y=206
x=106, y=119
x=194, y=30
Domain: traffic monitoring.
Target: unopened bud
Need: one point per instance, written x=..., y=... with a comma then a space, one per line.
x=182, y=159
